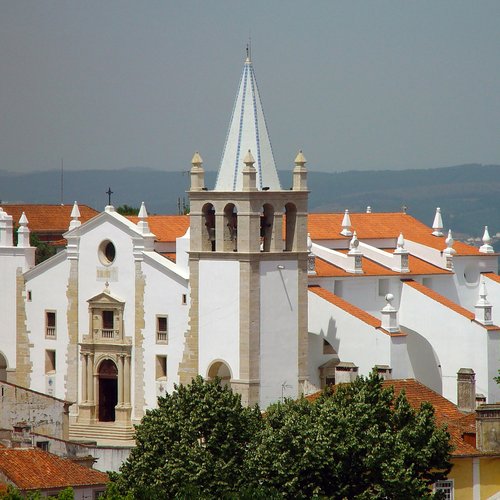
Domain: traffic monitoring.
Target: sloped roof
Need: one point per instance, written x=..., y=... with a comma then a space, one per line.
x=166, y=228
x=417, y=266
x=48, y=218
x=35, y=469
x=492, y=276
x=350, y=309
x=381, y=226
x=247, y=131
x=446, y=302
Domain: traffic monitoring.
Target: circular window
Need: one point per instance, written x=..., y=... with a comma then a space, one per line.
x=107, y=252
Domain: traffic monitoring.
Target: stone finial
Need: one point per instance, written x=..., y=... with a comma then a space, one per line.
x=249, y=173
x=354, y=244
x=402, y=254
x=197, y=160
x=23, y=233
x=197, y=173
x=346, y=225
x=483, y=313
x=390, y=315
x=449, y=250
x=75, y=216
x=249, y=160
x=300, y=173
x=368, y=209
x=486, y=247
x=309, y=243
x=143, y=223
x=437, y=225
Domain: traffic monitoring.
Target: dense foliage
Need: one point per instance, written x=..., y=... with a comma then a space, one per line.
x=358, y=441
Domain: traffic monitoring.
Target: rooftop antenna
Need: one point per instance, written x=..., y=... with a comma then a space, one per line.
x=62, y=181
x=249, y=45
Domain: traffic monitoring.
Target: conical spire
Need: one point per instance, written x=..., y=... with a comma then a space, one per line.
x=247, y=131
x=437, y=225
x=486, y=247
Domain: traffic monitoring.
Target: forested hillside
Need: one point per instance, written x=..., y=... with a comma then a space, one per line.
x=469, y=195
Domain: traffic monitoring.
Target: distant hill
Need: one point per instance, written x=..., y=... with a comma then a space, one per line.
x=469, y=195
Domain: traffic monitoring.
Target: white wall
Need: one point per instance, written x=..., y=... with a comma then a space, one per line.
x=278, y=330
x=219, y=315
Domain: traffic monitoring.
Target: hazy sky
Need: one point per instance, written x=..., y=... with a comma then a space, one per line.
x=355, y=84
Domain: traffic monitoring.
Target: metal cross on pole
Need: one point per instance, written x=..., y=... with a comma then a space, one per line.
x=109, y=193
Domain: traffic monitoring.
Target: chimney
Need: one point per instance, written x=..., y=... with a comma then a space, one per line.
x=345, y=373
x=466, y=390
x=488, y=428
x=384, y=371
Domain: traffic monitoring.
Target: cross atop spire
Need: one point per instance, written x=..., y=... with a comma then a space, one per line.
x=247, y=131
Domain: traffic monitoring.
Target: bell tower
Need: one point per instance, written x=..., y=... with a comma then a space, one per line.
x=248, y=265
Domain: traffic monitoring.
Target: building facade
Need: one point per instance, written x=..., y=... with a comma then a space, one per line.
x=249, y=287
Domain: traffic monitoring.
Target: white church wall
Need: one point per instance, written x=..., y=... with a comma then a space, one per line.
x=493, y=297
x=453, y=340
x=354, y=340
x=278, y=330
x=48, y=293
x=219, y=314
x=163, y=297
x=11, y=260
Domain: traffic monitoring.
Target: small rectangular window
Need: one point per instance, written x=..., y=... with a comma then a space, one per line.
x=50, y=361
x=161, y=329
x=383, y=287
x=427, y=282
x=29, y=296
x=50, y=324
x=43, y=445
x=446, y=488
x=184, y=299
x=161, y=367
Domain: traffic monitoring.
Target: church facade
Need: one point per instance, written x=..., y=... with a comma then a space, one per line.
x=249, y=287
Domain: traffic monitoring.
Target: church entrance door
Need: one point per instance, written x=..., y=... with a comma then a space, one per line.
x=108, y=390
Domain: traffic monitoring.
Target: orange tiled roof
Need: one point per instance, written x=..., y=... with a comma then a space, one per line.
x=48, y=218
x=349, y=308
x=371, y=268
x=446, y=302
x=381, y=226
x=166, y=227
x=34, y=469
x=492, y=276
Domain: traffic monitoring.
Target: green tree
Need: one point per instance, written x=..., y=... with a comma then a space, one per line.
x=127, y=210
x=192, y=445
x=357, y=442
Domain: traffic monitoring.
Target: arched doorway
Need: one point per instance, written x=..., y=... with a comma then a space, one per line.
x=108, y=390
x=3, y=368
x=221, y=370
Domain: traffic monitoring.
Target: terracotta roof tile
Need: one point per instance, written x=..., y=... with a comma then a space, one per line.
x=35, y=469
x=418, y=267
x=351, y=309
x=48, y=218
x=166, y=227
x=381, y=226
x=447, y=303
x=492, y=276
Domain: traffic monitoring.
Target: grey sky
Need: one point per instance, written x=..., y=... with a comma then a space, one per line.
x=357, y=85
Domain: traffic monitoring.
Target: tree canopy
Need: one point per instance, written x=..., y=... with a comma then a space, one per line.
x=357, y=441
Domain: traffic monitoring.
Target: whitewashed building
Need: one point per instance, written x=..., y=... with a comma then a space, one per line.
x=249, y=287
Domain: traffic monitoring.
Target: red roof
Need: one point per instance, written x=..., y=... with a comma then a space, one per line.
x=492, y=276
x=35, y=469
x=48, y=218
x=350, y=308
x=166, y=227
x=446, y=302
x=381, y=226
x=417, y=266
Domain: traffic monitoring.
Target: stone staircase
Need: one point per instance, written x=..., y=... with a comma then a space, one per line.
x=102, y=432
